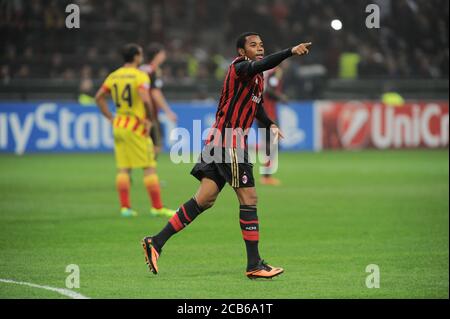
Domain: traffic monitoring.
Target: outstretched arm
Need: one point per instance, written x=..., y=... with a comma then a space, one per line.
x=161, y=102
x=251, y=68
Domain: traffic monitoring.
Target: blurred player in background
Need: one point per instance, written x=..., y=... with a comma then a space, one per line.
x=157, y=55
x=240, y=104
x=133, y=148
x=273, y=93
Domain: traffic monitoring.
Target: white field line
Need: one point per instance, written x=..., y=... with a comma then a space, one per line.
x=65, y=292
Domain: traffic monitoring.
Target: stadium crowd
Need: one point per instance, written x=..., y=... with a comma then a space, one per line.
x=199, y=36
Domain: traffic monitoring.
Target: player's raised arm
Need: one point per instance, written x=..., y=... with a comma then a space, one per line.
x=255, y=63
x=301, y=49
x=267, y=63
x=272, y=60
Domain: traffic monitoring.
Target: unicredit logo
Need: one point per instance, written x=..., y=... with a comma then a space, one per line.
x=354, y=126
x=362, y=125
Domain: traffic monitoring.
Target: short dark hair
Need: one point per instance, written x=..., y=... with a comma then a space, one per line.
x=153, y=49
x=129, y=51
x=240, y=42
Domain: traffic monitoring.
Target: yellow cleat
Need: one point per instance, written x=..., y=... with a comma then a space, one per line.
x=162, y=212
x=128, y=212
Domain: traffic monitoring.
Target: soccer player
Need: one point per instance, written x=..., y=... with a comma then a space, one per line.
x=225, y=160
x=273, y=86
x=157, y=55
x=133, y=148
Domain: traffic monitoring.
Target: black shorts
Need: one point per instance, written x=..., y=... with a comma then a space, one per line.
x=225, y=165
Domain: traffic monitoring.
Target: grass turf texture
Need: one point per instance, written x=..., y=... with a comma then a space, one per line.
x=336, y=213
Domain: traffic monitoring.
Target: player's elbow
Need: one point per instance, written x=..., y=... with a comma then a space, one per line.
x=147, y=101
x=99, y=98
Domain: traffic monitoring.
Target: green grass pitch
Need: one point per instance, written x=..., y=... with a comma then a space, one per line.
x=336, y=213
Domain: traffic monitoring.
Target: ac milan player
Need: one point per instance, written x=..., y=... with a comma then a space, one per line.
x=225, y=158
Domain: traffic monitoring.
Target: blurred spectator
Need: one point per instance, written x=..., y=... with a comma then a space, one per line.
x=200, y=34
x=23, y=72
x=5, y=74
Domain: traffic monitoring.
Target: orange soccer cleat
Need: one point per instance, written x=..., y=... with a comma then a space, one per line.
x=151, y=254
x=263, y=270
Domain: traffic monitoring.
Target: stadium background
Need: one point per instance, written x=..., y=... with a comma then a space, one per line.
x=380, y=92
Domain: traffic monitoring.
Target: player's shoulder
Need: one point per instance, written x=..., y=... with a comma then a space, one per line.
x=141, y=74
x=117, y=74
x=112, y=77
x=114, y=72
x=239, y=60
x=239, y=64
x=134, y=72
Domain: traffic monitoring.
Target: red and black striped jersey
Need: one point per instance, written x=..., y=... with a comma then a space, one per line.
x=239, y=101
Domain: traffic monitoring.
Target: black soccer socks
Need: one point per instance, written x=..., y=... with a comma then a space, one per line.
x=248, y=219
x=183, y=217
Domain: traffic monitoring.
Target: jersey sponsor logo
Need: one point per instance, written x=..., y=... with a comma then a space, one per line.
x=256, y=99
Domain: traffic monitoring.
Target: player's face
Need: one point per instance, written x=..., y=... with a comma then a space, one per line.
x=254, y=48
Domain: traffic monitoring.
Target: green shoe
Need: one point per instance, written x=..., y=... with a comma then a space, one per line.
x=128, y=212
x=162, y=212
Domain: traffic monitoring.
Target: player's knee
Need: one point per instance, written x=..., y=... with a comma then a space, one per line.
x=250, y=199
x=206, y=202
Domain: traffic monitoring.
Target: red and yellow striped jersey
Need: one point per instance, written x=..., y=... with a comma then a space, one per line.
x=123, y=84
